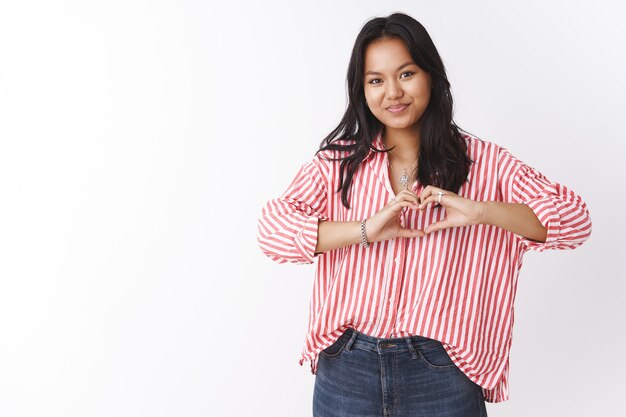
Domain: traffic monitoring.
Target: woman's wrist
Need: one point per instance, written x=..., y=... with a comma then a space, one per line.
x=337, y=234
x=364, y=241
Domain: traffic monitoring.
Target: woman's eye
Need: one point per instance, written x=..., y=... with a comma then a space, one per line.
x=378, y=79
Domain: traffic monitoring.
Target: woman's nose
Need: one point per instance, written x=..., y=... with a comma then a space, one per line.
x=393, y=90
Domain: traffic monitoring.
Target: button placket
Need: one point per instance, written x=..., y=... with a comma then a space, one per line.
x=387, y=285
x=399, y=278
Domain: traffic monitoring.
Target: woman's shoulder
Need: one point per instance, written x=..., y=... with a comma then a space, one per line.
x=340, y=149
x=477, y=146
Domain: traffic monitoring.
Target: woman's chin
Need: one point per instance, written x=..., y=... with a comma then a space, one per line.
x=399, y=124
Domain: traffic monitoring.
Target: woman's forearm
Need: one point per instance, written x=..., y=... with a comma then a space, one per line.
x=333, y=235
x=514, y=217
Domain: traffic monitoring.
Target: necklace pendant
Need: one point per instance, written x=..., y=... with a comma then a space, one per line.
x=404, y=180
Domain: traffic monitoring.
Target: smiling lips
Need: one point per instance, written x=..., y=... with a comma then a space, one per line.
x=397, y=108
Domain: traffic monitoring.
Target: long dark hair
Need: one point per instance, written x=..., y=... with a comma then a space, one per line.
x=443, y=159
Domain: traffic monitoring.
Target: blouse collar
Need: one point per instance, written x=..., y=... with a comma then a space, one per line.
x=376, y=143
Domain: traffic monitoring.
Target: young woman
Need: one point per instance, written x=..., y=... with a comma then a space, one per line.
x=419, y=229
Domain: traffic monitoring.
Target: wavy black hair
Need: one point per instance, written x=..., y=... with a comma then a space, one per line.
x=443, y=159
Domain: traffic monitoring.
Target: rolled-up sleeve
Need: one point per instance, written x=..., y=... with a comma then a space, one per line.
x=288, y=225
x=560, y=210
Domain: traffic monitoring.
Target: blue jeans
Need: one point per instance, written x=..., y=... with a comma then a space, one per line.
x=364, y=376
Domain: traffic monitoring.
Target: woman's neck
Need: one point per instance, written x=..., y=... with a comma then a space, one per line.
x=406, y=142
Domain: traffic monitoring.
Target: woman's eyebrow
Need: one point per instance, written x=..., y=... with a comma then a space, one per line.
x=399, y=68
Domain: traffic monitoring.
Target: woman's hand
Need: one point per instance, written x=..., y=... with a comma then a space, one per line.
x=460, y=211
x=385, y=224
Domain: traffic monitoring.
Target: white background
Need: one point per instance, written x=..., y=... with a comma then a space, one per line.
x=139, y=140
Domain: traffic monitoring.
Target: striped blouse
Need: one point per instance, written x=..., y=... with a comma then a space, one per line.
x=455, y=285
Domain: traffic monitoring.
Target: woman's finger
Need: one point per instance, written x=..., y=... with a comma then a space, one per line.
x=440, y=225
x=435, y=198
x=428, y=191
x=408, y=192
x=426, y=201
x=401, y=204
x=410, y=233
x=405, y=194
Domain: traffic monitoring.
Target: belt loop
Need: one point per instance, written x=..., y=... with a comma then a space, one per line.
x=351, y=341
x=411, y=348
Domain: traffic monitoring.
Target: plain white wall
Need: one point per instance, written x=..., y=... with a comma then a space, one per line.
x=139, y=140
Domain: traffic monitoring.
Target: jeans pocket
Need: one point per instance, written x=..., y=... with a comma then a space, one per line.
x=435, y=355
x=337, y=347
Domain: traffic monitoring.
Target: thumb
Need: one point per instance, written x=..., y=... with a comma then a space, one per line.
x=410, y=233
x=436, y=226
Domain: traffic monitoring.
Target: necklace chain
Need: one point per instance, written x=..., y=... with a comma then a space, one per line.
x=404, y=178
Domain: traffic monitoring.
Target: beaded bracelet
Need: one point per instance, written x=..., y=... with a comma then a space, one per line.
x=364, y=241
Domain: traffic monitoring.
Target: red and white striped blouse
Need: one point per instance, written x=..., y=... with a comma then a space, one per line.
x=455, y=285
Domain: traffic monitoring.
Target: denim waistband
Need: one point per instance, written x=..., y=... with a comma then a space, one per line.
x=411, y=344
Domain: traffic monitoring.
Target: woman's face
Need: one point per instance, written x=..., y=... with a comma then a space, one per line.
x=396, y=89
